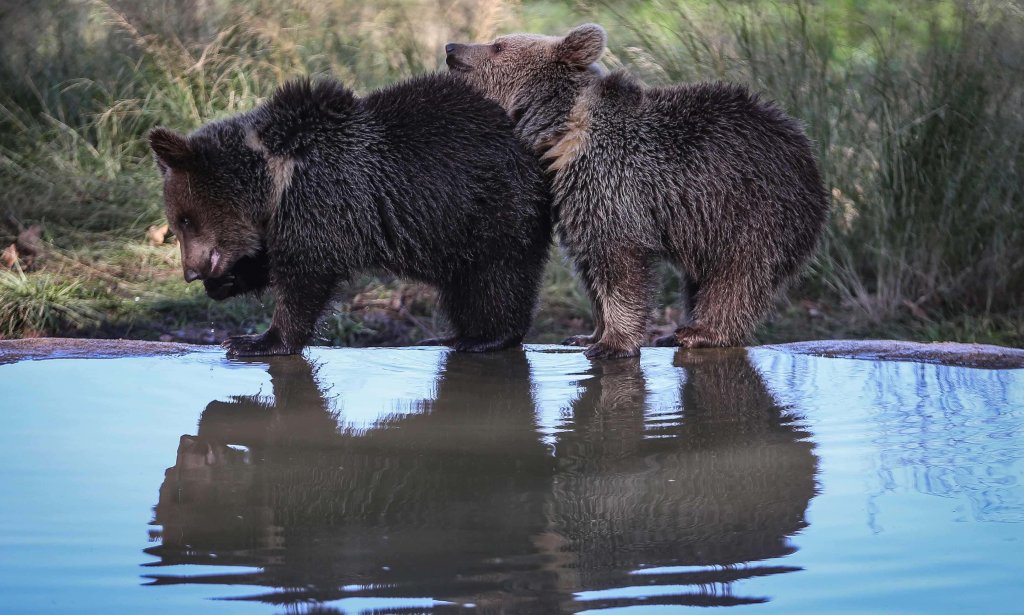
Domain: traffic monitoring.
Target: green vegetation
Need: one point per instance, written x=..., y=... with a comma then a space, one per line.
x=917, y=110
x=40, y=302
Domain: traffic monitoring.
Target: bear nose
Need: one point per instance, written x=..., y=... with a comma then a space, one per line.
x=191, y=275
x=450, y=47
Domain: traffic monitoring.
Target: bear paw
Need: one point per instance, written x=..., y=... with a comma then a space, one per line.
x=666, y=340
x=222, y=288
x=692, y=337
x=437, y=341
x=579, y=340
x=477, y=345
x=265, y=344
x=601, y=350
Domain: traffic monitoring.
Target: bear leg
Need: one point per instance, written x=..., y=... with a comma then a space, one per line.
x=299, y=302
x=688, y=301
x=727, y=309
x=583, y=271
x=687, y=337
x=624, y=291
x=470, y=345
x=489, y=310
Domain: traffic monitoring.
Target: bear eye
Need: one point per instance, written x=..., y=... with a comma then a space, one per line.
x=185, y=222
x=497, y=47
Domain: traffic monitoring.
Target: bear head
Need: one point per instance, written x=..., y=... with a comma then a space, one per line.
x=215, y=189
x=515, y=64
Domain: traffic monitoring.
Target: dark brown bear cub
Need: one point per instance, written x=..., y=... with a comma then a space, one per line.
x=423, y=179
x=708, y=176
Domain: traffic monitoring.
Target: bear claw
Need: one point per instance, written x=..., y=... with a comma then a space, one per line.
x=261, y=345
x=691, y=337
x=436, y=341
x=601, y=350
x=579, y=340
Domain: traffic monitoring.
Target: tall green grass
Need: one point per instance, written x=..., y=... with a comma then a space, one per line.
x=40, y=303
x=916, y=113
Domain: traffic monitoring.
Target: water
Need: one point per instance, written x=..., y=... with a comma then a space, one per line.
x=414, y=480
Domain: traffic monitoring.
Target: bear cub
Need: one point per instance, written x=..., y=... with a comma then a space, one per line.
x=708, y=176
x=423, y=179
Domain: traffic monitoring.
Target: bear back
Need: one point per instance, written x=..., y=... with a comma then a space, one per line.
x=302, y=113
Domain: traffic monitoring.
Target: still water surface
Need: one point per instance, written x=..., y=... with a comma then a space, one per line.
x=416, y=480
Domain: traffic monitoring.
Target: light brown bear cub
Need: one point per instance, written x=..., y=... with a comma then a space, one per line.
x=707, y=175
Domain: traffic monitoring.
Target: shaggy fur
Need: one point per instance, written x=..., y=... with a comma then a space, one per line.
x=424, y=179
x=708, y=176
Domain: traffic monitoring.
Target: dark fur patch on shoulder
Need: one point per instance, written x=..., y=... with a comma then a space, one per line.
x=726, y=94
x=303, y=97
x=290, y=121
x=737, y=100
x=620, y=86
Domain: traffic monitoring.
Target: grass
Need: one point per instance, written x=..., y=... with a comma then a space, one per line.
x=33, y=304
x=919, y=124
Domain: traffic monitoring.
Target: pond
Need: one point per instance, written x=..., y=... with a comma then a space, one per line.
x=418, y=480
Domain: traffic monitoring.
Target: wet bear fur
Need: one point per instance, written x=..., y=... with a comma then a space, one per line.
x=424, y=179
x=708, y=176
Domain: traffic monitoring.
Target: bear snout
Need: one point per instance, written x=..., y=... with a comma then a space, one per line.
x=205, y=268
x=452, y=51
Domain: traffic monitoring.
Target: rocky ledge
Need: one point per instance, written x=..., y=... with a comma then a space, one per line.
x=942, y=353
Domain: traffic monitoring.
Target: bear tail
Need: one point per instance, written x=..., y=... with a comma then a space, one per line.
x=301, y=112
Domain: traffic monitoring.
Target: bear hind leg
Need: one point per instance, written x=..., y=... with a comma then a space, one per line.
x=464, y=344
x=488, y=311
x=687, y=301
x=584, y=271
x=487, y=345
x=727, y=309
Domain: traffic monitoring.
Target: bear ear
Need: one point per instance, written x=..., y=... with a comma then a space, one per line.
x=171, y=150
x=583, y=45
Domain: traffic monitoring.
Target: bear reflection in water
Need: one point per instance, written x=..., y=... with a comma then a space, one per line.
x=464, y=501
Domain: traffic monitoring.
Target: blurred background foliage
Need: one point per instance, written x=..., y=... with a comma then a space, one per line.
x=915, y=107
